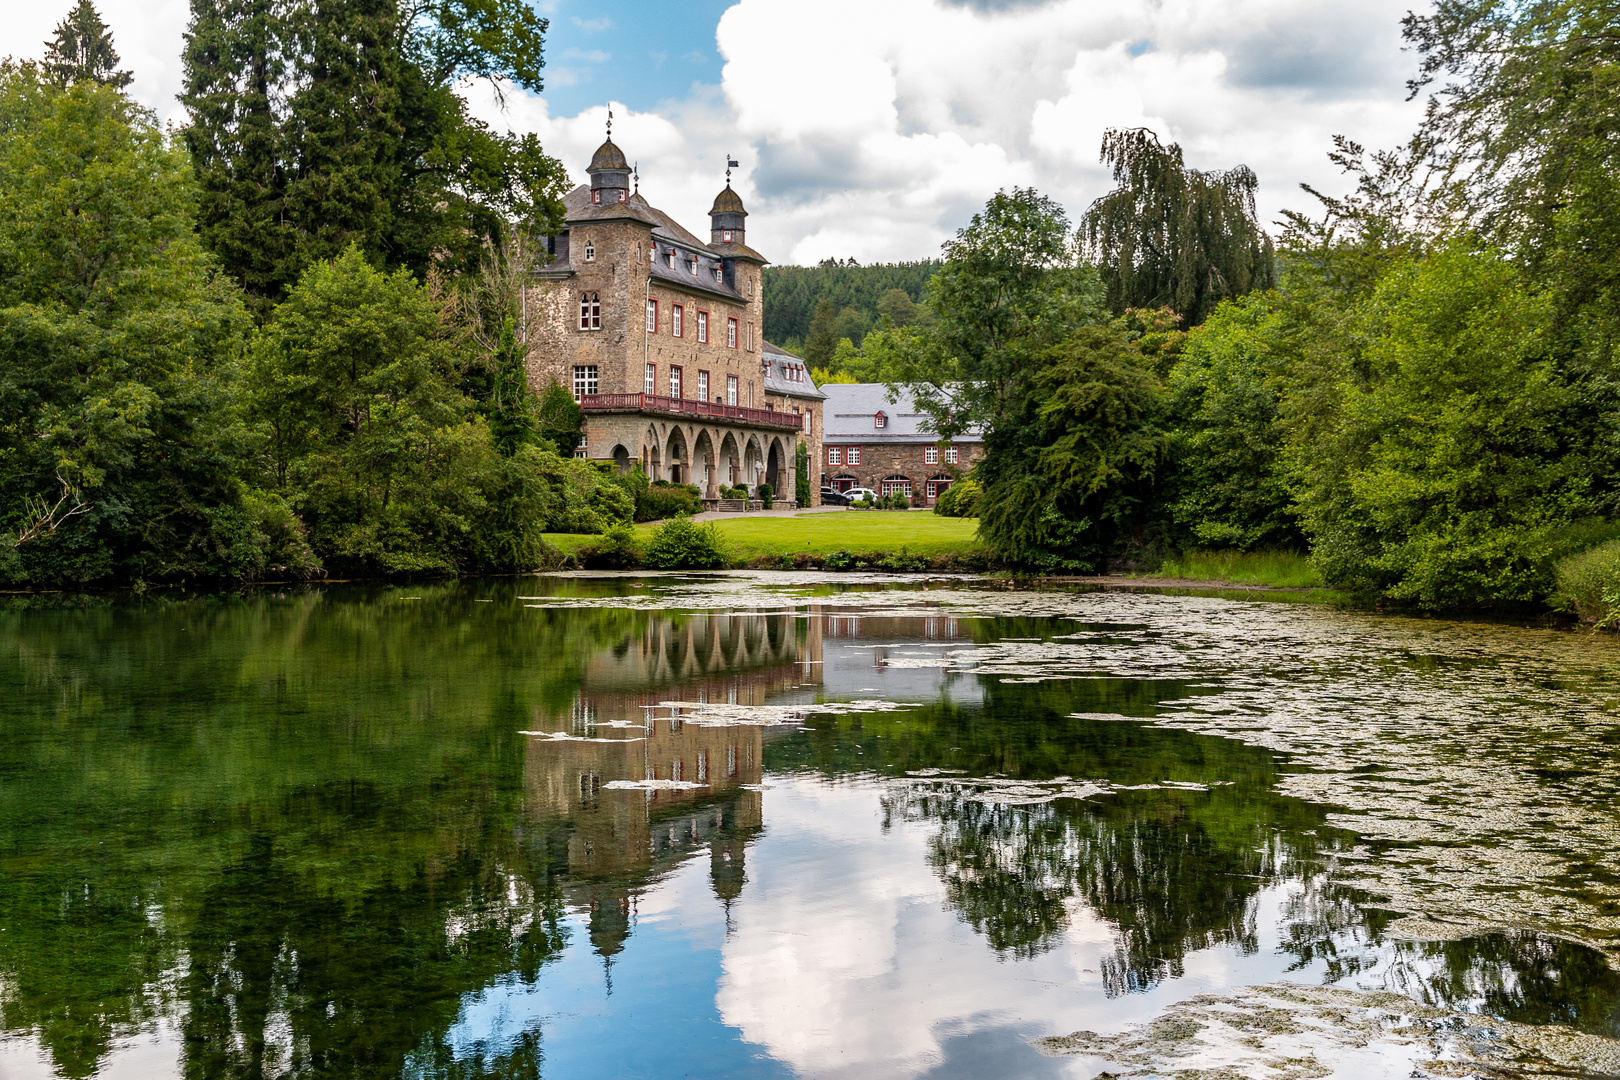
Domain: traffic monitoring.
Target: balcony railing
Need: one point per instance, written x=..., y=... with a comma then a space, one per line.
x=659, y=404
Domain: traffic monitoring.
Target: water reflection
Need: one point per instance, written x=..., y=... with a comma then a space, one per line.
x=438, y=832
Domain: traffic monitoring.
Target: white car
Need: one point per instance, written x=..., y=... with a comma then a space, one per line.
x=862, y=493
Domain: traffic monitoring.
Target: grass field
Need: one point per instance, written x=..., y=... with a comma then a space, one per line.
x=855, y=531
x=1277, y=569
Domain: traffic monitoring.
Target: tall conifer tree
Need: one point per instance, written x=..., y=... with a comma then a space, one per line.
x=82, y=51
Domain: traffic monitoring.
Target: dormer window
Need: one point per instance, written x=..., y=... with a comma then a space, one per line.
x=725, y=236
x=624, y=196
x=590, y=252
x=719, y=276
x=880, y=421
x=692, y=264
x=669, y=258
x=596, y=196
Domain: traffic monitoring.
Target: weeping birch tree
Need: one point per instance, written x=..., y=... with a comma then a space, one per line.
x=1173, y=236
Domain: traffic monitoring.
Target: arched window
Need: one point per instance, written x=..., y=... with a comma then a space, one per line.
x=590, y=311
x=894, y=483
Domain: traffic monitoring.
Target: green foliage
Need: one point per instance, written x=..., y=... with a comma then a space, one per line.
x=1068, y=490
x=1170, y=235
x=314, y=127
x=766, y=495
x=81, y=50
x=1227, y=487
x=822, y=338
x=560, y=419
x=860, y=296
x=1588, y=584
x=801, y=475
x=961, y=499
x=116, y=349
x=682, y=544
x=617, y=550
x=1453, y=473
x=511, y=408
x=665, y=500
x=1271, y=568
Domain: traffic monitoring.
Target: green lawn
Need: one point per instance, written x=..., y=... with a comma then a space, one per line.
x=855, y=531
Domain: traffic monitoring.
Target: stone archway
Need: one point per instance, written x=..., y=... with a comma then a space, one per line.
x=705, y=471
x=730, y=461
x=621, y=459
x=753, y=463
x=680, y=461
x=775, y=461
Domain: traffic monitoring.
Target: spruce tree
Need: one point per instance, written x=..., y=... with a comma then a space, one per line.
x=82, y=51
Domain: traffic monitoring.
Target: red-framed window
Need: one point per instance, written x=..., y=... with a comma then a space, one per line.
x=880, y=420
x=731, y=389
x=677, y=320
x=675, y=385
x=931, y=455
x=652, y=316
x=596, y=196
x=590, y=311
x=950, y=455
x=725, y=236
x=703, y=385
x=703, y=327
x=854, y=455
x=649, y=379
x=731, y=333
x=835, y=455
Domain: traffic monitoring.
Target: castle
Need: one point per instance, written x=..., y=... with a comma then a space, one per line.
x=659, y=336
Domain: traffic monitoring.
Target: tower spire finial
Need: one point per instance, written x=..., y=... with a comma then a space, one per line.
x=636, y=176
x=731, y=163
x=610, y=125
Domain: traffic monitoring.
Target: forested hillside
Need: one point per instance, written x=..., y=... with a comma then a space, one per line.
x=850, y=298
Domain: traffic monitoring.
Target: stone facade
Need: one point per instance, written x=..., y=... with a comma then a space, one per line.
x=869, y=441
x=659, y=336
x=899, y=464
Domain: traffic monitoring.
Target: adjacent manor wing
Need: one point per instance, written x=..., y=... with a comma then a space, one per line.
x=871, y=442
x=658, y=334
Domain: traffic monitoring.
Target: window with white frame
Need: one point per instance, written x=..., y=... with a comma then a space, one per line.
x=931, y=455
x=725, y=236
x=596, y=196
x=677, y=320
x=950, y=455
x=880, y=421
x=719, y=275
x=703, y=327
x=807, y=422
x=674, y=381
x=669, y=258
x=731, y=333
x=835, y=455
x=590, y=252
x=590, y=311
x=692, y=265
x=854, y=455
x=581, y=447
x=703, y=385
x=649, y=379
x=652, y=316
x=731, y=389
x=584, y=380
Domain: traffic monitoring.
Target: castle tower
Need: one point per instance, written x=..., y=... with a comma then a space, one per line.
x=726, y=217
x=610, y=175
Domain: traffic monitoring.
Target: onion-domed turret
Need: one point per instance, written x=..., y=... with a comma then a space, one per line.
x=610, y=174
x=726, y=217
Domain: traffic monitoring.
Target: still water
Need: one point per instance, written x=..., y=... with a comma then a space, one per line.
x=775, y=825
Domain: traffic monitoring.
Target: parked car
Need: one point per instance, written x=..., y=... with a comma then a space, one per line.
x=862, y=493
x=833, y=497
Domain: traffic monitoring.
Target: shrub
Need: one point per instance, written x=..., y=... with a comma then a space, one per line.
x=840, y=560
x=1589, y=584
x=902, y=561
x=861, y=504
x=682, y=544
x=664, y=500
x=617, y=550
x=738, y=492
x=766, y=495
x=961, y=499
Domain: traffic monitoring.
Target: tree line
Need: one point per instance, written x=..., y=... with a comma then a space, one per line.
x=810, y=309
x=288, y=340
x=1415, y=383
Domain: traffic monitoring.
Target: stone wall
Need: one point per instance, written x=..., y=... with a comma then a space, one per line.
x=880, y=460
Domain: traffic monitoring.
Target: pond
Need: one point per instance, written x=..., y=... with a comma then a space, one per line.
x=799, y=825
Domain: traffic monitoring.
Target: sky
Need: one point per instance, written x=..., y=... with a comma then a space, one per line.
x=873, y=129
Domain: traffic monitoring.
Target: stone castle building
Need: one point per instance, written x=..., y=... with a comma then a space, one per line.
x=659, y=336
x=870, y=442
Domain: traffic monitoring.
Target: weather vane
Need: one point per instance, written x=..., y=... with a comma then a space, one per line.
x=730, y=164
x=610, y=125
x=635, y=174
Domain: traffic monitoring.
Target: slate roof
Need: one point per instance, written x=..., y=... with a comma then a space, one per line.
x=851, y=408
x=776, y=374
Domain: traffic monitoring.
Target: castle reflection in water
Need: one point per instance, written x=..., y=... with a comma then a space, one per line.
x=617, y=841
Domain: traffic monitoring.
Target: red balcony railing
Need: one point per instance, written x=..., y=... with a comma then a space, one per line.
x=656, y=404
